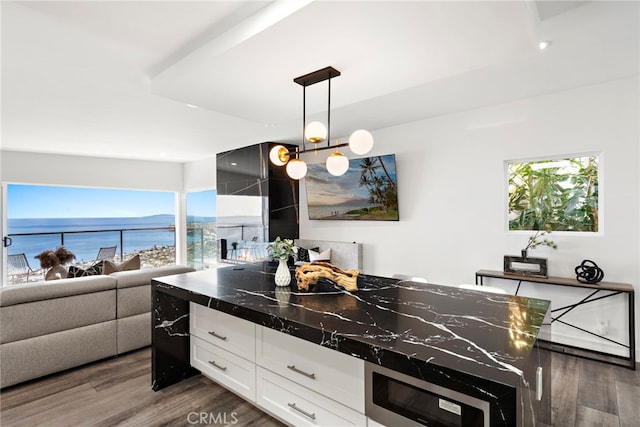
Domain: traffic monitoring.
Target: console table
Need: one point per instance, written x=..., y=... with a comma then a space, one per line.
x=600, y=291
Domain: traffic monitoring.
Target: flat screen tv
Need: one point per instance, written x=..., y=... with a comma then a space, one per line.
x=367, y=191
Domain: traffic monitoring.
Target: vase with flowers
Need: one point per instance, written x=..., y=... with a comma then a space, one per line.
x=538, y=239
x=282, y=249
x=527, y=265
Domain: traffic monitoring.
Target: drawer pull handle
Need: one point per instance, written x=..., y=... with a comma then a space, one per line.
x=302, y=411
x=217, y=336
x=306, y=374
x=222, y=368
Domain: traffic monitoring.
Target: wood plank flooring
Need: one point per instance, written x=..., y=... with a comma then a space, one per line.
x=116, y=392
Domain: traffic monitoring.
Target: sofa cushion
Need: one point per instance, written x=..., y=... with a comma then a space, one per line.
x=93, y=270
x=320, y=256
x=128, y=279
x=303, y=254
x=38, y=291
x=130, y=264
x=27, y=359
x=134, y=300
x=134, y=332
x=38, y=318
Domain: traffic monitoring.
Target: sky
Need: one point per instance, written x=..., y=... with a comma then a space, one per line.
x=32, y=201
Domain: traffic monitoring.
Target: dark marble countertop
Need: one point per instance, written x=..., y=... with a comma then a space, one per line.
x=419, y=329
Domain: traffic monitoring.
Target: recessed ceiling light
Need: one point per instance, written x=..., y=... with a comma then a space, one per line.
x=544, y=44
x=234, y=164
x=192, y=106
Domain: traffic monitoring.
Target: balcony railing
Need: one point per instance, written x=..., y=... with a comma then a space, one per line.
x=155, y=245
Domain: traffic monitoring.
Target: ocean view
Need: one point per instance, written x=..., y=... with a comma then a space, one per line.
x=85, y=246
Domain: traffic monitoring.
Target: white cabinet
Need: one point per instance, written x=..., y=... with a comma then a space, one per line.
x=223, y=330
x=300, y=406
x=225, y=368
x=223, y=347
x=295, y=380
x=328, y=372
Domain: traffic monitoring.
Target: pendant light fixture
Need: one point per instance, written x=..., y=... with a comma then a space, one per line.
x=360, y=141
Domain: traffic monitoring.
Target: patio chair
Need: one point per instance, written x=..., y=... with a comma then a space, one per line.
x=18, y=266
x=106, y=253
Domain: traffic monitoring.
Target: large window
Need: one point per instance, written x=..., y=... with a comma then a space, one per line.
x=201, y=229
x=559, y=194
x=87, y=219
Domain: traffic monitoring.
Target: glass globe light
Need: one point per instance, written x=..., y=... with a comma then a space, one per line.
x=315, y=132
x=279, y=155
x=360, y=142
x=296, y=169
x=337, y=163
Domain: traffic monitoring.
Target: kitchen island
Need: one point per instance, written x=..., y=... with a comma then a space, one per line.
x=479, y=344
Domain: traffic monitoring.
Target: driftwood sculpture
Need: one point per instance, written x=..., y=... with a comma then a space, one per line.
x=308, y=275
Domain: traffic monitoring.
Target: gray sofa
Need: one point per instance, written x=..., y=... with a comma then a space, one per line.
x=50, y=326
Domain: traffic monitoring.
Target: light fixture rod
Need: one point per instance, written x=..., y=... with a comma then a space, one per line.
x=344, y=144
x=329, y=114
x=304, y=114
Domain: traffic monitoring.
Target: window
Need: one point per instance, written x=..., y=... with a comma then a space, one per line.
x=201, y=229
x=560, y=194
x=87, y=219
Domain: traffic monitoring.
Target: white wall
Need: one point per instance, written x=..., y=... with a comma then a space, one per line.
x=452, y=190
x=50, y=169
x=200, y=175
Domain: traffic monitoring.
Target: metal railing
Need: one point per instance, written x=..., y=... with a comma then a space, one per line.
x=154, y=248
x=62, y=234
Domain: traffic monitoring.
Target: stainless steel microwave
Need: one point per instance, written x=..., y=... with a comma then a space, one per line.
x=395, y=399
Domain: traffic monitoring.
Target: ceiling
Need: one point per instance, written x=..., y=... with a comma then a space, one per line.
x=118, y=79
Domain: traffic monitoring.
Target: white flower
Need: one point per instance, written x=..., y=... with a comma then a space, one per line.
x=282, y=248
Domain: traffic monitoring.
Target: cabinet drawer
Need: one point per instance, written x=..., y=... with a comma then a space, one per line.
x=227, y=369
x=300, y=406
x=328, y=372
x=231, y=333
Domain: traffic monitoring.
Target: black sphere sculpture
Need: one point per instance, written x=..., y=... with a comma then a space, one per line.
x=589, y=272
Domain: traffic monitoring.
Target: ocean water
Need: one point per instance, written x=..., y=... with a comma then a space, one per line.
x=102, y=232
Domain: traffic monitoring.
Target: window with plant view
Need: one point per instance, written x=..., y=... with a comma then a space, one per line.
x=558, y=194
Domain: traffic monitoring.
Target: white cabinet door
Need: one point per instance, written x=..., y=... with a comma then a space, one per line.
x=328, y=372
x=225, y=368
x=300, y=406
x=228, y=332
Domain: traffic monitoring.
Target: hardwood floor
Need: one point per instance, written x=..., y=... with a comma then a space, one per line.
x=116, y=392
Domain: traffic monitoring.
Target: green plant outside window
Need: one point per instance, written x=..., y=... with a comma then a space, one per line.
x=555, y=194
